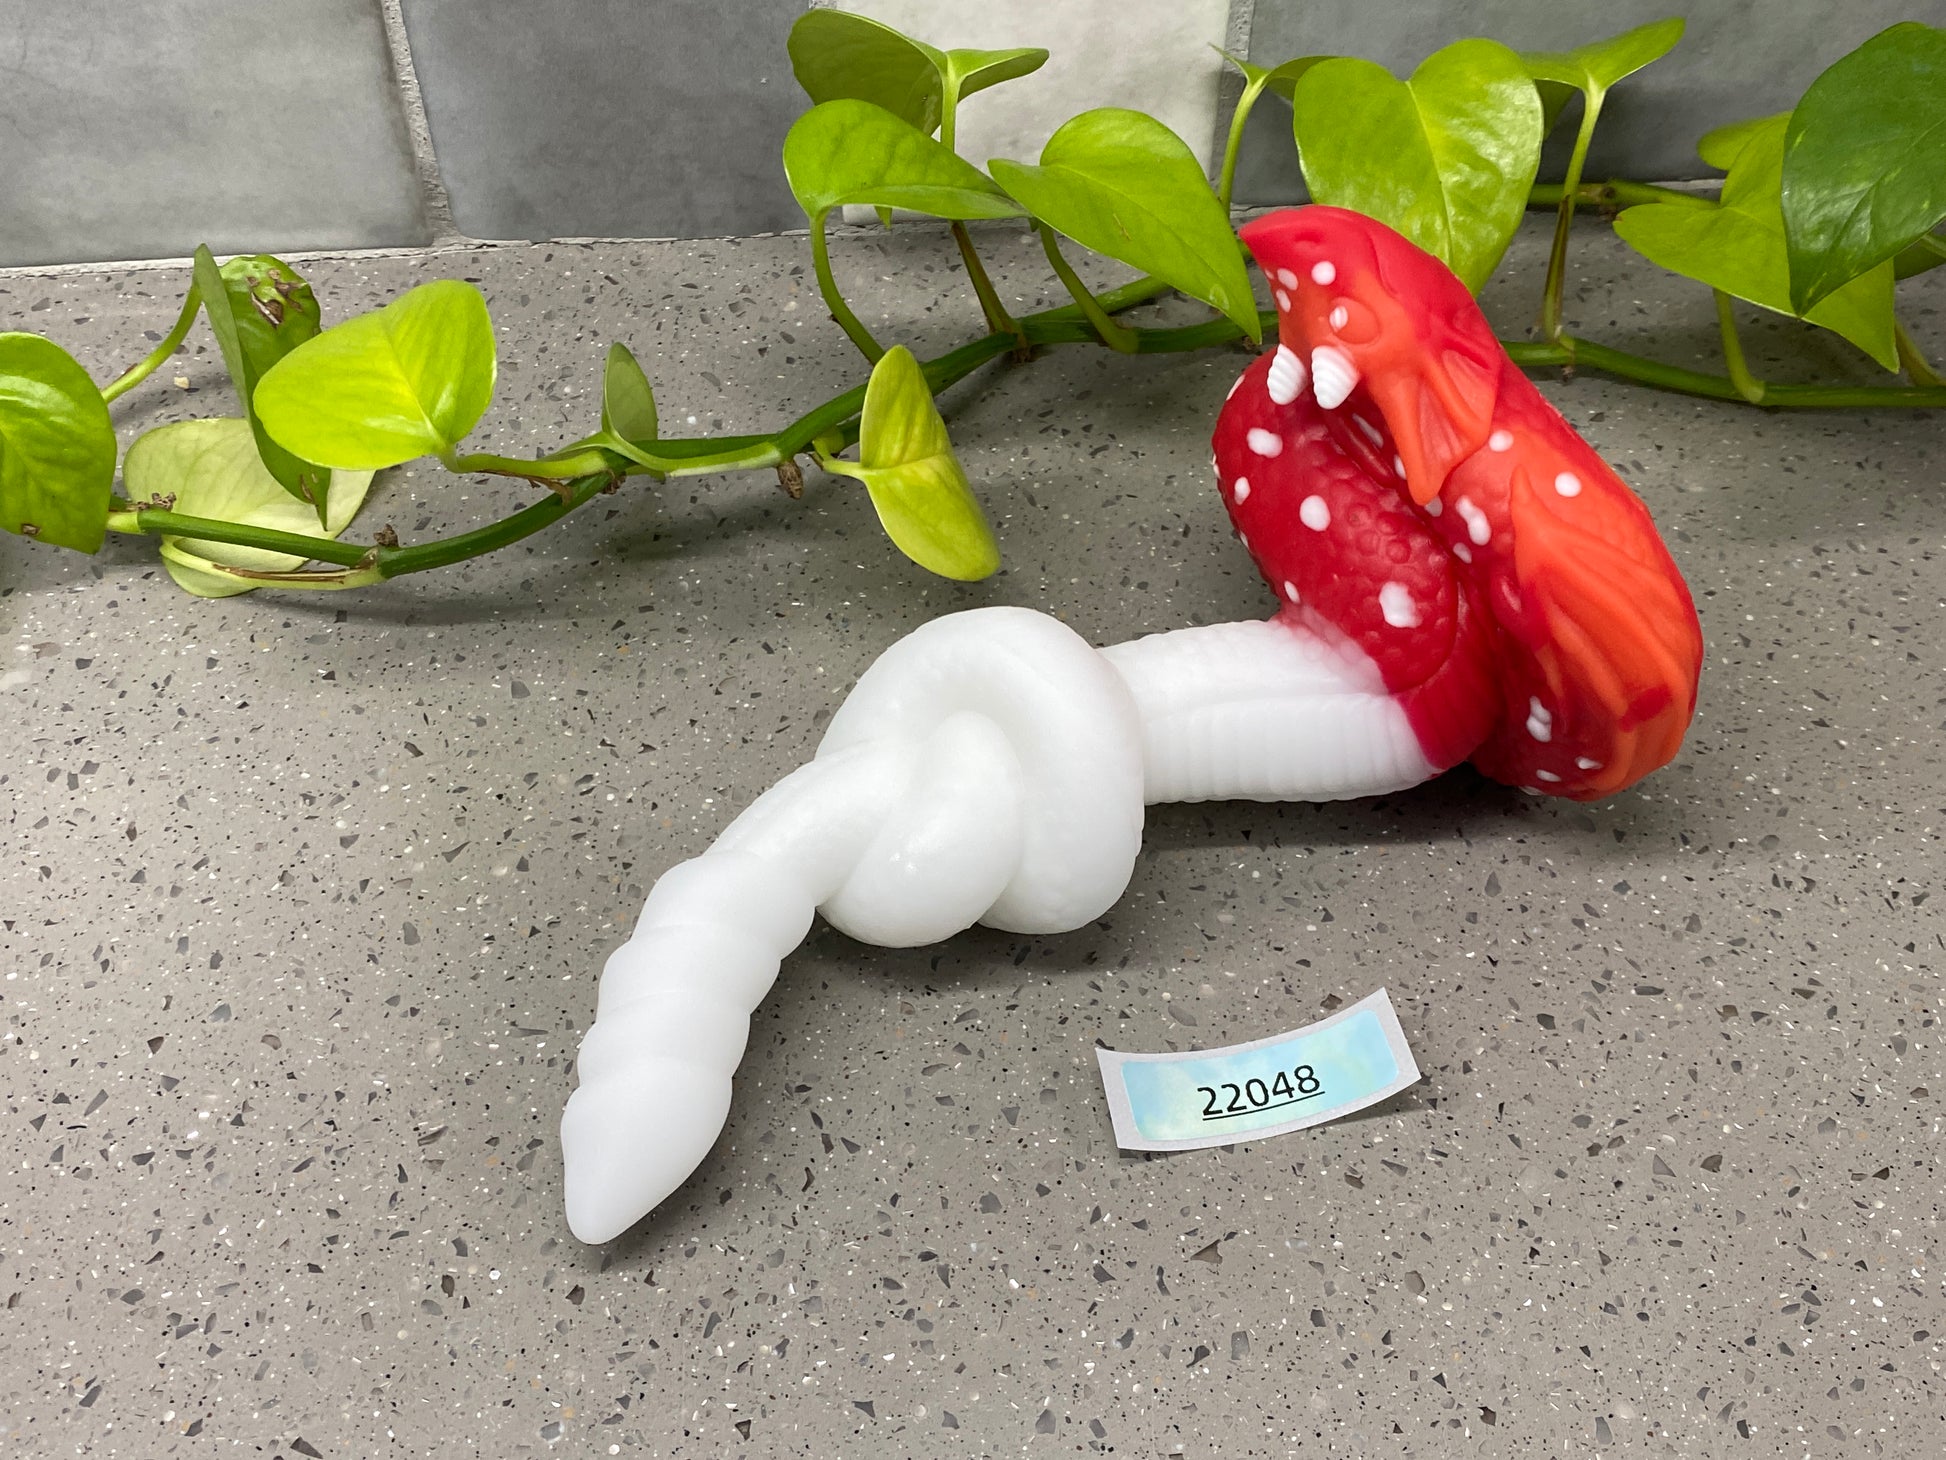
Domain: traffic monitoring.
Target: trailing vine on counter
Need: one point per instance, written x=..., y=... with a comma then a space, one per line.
x=1821, y=212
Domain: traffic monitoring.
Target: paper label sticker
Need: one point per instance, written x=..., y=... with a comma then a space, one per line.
x=1215, y=1097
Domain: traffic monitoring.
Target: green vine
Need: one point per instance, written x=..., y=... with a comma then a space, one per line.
x=324, y=409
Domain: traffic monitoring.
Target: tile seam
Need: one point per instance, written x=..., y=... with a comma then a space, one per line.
x=425, y=158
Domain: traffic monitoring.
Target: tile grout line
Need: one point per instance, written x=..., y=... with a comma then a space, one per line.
x=425, y=160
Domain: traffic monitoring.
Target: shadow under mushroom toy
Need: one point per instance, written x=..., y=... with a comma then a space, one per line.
x=1459, y=577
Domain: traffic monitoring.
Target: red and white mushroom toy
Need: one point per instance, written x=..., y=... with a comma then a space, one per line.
x=1459, y=578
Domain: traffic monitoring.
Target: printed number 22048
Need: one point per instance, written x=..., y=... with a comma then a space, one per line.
x=1252, y=1096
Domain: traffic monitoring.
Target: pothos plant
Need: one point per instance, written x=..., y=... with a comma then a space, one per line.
x=1822, y=211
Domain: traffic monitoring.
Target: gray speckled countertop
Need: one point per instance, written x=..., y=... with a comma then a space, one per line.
x=305, y=898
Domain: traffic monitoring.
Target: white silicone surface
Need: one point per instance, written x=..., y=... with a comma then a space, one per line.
x=1265, y=711
x=990, y=767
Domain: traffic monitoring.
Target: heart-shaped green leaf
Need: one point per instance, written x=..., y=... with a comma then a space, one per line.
x=1738, y=247
x=855, y=152
x=1446, y=158
x=1121, y=183
x=260, y=309
x=965, y=72
x=907, y=464
x=407, y=380
x=57, y=446
x=838, y=56
x=1865, y=159
x=1593, y=68
x=211, y=469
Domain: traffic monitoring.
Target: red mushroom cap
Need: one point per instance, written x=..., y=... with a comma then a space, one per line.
x=1441, y=515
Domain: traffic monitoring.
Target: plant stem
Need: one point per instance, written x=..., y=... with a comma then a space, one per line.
x=543, y=470
x=1123, y=296
x=1233, y=143
x=948, y=110
x=176, y=524
x=373, y=562
x=1917, y=367
x=828, y=286
x=1580, y=353
x=394, y=562
x=1115, y=336
x=998, y=320
x=1750, y=388
x=1613, y=193
x=748, y=453
x=1557, y=258
x=171, y=342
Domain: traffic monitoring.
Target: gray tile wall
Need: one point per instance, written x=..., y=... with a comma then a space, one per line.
x=609, y=118
x=1737, y=59
x=140, y=130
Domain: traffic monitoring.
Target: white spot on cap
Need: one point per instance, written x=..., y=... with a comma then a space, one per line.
x=1333, y=376
x=1548, y=776
x=1433, y=505
x=1585, y=764
x=1462, y=552
x=1287, y=278
x=1500, y=441
x=1477, y=526
x=1323, y=272
x=1235, y=386
x=1540, y=720
x=1315, y=513
x=1265, y=443
x=1372, y=433
x=1290, y=590
x=1568, y=484
x=1398, y=465
x=1395, y=602
x=1340, y=316
x=1287, y=376
x=1245, y=541
x=1283, y=300
x=1242, y=490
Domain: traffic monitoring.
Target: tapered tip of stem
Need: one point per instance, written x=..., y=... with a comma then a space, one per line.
x=629, y=1142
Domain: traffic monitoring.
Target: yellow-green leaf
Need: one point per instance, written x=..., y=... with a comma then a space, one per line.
x=1121, y=183
x=855, y=152
x=57, y=446
x=211, y=469
x=1446, y=157
x=407, y=380
x=1738, y=247
x=918, y=488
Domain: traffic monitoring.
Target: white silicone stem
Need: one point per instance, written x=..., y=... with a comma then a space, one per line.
x=1265, y=711
x=990, y=767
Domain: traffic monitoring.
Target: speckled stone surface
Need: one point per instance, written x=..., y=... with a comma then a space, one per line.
x=305, y=897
